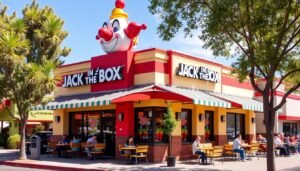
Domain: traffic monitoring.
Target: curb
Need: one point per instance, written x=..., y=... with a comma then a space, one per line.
x=46, y=167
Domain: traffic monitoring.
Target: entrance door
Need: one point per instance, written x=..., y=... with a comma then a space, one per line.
x=108, y=132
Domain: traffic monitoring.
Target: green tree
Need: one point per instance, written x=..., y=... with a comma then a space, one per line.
x=30, y=49
x=263, y=33
x=169, y=124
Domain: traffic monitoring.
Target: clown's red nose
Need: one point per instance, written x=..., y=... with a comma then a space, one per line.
x=106, y=34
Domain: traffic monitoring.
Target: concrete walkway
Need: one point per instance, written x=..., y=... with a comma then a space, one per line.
x=53, y=163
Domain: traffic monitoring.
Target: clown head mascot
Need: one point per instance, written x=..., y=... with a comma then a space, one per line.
x=117, y=34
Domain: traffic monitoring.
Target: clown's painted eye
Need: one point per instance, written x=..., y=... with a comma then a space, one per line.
x=116, y=25
x=105, y=26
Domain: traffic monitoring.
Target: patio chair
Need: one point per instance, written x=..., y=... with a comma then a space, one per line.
x=98, y=150
x=217, y=152
x=75, y=149
x=228, y=151
x=252, y=152
x=82, y=149
x=141, y=152
x=51, y=149
x=122, y=153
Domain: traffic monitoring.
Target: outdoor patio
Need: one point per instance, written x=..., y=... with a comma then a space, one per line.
x=282, y=163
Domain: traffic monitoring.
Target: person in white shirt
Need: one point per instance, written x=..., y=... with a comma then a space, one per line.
x=237, y=147
x=196, y=150
x=280, y=146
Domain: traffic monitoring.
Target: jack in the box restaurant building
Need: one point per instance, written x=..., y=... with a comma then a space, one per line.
x=126, y=93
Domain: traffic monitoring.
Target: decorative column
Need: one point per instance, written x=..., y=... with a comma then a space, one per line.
x=124, y=123
x=220, y=126
x=198, y=126
x=250, y=131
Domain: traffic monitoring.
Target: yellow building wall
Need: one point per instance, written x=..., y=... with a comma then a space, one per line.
x=237, y=91
x=151, y=77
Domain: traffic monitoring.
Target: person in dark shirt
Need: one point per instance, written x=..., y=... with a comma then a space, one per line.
x=61, y=147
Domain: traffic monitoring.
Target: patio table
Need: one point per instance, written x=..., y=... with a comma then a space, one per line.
x=206, y=149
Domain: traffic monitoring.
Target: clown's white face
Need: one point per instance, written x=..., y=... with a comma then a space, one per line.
x=112, y=36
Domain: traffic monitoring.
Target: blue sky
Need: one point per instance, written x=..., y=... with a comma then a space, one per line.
x=84, y=18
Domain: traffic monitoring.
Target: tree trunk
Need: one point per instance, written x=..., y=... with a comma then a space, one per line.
x=270, y=151
x=23, y=145
x=170, y=145
x=269, y=116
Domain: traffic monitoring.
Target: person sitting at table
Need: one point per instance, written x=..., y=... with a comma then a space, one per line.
x=91, y=141
x=298, y=142
x=130, y=143
x=75, y=140
x=280, y=146
x=63, y=141
x=261, y=139
x=196, y=149
x=288, y=145
x=237, y=146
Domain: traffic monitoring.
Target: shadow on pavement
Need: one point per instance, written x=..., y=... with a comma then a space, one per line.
x=297, y=168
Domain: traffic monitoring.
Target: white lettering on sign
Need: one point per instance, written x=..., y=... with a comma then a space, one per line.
x=200, y=73
x=94, y=76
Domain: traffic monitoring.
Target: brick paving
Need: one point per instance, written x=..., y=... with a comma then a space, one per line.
x=282, y=163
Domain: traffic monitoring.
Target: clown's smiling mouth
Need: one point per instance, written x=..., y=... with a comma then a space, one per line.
x=109, y=46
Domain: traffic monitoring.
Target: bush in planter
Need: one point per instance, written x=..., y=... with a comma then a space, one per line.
x=12, y=141
x=169, y=124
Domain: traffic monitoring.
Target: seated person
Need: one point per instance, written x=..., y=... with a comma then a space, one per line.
x=90, y=141
x=60, y=149
x=280, y=146
x=130, y=143
x=196, y=150
x=261, y=139
x=75, y=140
x=287, y=144
x=298, y=141
x=237, y=146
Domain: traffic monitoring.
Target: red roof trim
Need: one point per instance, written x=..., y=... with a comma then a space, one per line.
x=235, y=83
x=77, y=63
x=150, y=49
x=196, y=58
x=292, y=118
x=152, y=66
x=281, y=94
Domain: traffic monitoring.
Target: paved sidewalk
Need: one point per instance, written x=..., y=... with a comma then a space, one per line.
x=53, y=163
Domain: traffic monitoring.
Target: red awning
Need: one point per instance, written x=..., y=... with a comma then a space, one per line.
x=291, y=118
x=153, y=93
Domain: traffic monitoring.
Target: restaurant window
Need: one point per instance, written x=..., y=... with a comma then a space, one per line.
x=86, y=124
x=289, y=127
x=235, y=124
x=149, y=125
x=186, y=125
x=209, y=126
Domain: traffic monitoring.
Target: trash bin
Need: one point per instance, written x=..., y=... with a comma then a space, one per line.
x=35, y=147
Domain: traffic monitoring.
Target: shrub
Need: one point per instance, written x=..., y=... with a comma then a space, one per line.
x=12, y=141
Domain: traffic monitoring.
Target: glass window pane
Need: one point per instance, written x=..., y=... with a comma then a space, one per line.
x=186, y=125
x=230, y=126
x=209, y=125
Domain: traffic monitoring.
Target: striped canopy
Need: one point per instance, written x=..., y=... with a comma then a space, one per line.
x=246, y=103
x=106, y=98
